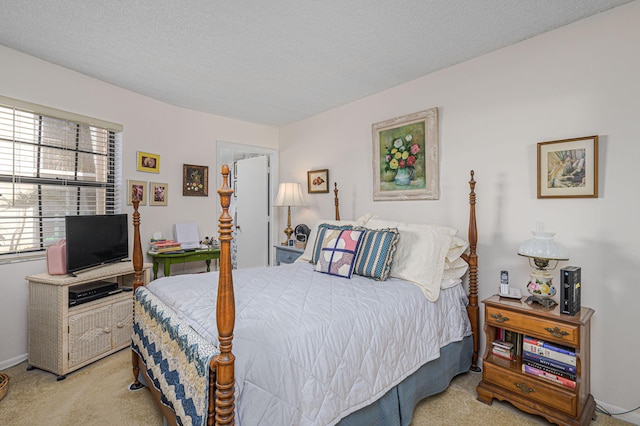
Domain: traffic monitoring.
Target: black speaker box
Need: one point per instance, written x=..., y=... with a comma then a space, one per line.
x=570, y=292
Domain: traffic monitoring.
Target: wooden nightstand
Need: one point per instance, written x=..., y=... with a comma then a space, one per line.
x=287, y=254
x=505, y=380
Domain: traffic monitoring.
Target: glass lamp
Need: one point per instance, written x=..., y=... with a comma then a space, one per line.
x=541, y=251
x=289, y=194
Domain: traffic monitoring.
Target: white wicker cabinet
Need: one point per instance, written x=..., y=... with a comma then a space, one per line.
x=63, y=339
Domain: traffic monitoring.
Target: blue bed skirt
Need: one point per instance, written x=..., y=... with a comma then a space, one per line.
x=396, y=407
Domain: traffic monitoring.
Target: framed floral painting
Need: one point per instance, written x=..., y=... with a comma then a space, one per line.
x=195, y=180
x=405, y=157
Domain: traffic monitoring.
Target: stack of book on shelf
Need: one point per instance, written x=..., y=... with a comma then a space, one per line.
x=503, y=349
x=164, y=246
x=549, y=360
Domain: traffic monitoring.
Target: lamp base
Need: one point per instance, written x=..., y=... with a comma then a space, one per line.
x=540, y=284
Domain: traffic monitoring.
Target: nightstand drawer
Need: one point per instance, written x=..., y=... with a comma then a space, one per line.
x=286, y=254
x=527, y=387
x=567, y=334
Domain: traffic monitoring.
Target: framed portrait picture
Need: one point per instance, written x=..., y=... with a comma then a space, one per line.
x=568, y=168
x=136, y=190
x=195, y=180
x=318, y=181
x=158, y=194
x=405, y=157
x=148, y=162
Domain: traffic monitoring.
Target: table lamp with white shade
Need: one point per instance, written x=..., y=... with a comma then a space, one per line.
x=289, y=194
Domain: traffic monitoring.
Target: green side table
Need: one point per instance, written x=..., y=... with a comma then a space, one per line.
x=168, y=259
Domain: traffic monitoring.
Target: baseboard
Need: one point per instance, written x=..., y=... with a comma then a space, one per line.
x=13, y=361
x=633, y=417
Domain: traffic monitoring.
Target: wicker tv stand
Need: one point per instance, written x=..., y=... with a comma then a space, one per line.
x=62, y=338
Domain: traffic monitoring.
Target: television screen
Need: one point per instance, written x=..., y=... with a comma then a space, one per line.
x=94, y=240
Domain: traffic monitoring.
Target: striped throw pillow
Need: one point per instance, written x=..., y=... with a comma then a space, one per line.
x=375, y=256
x=322, y=230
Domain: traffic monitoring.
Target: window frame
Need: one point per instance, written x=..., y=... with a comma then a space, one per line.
x=85, y=129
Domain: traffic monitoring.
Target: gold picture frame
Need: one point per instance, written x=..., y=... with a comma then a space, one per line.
x=318, y=181
x=195, y=180
x=147, y=162
x=137, y=189
x=405, y=157
x=158, y=194
x=568, y=168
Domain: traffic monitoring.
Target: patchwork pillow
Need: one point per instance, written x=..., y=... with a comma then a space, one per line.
x=338, y=252
x=309, y=250
x=375, y=256
x=322, y=231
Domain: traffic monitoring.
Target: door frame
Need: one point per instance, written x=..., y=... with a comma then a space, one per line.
x=227, y=153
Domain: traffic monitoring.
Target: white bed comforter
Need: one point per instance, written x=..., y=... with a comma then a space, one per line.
x=311, y=348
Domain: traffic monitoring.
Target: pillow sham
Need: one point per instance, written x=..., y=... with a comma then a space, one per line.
x=375, y=256
x=338, y=252
x=420, y=254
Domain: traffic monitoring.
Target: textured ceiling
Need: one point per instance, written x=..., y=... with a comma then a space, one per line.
x=273, y=62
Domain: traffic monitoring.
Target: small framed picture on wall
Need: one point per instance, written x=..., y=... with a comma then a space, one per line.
x=195, y=180
x=158, y=194
x=136, y=190
x=148, y=162
x=318, y=181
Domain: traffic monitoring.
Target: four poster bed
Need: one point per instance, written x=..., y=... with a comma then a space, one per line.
x=312, y=344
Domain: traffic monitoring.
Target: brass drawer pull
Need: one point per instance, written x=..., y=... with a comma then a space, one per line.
x=556, y=332
x=524, y=388
x=499, y=318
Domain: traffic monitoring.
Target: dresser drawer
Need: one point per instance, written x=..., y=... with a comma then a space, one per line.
x=567, y=334
x=565, y=400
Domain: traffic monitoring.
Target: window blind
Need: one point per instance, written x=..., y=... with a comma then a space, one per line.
x=52, y=165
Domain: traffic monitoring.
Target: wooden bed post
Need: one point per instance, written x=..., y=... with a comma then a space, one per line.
x=473, y=310
x=137, y=282
x=225, y=314
x=337, y=202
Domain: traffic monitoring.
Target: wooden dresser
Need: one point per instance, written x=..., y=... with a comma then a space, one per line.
x=505, y=379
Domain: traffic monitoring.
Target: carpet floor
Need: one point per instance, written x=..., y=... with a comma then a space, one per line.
x=98, y=395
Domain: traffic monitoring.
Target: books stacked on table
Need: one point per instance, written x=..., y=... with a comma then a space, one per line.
x=164, y=246
x=503, y=349
x=551, y=361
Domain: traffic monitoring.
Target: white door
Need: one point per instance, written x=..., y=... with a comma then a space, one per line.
x=252, y=212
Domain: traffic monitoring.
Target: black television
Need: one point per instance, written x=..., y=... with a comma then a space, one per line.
x=94, y=240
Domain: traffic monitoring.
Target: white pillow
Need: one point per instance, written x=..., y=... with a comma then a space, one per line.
x=455, y=269
x=311, y=241
x=458, y=246
x=420, y=254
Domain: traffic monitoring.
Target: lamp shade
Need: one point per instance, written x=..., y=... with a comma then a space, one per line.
x=542, y=246
x=289, y=194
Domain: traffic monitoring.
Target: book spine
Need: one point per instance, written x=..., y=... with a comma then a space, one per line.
x=550, y=369
x=549, y=362
x=548, y=353
x=553, y=377
x=558, y=348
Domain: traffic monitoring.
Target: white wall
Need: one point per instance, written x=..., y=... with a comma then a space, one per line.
x=580, y=80
x=178, y=135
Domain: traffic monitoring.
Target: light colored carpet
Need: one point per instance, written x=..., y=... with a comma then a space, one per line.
x=98, y=395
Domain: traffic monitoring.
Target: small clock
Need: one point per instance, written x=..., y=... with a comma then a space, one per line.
x=302, y=232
